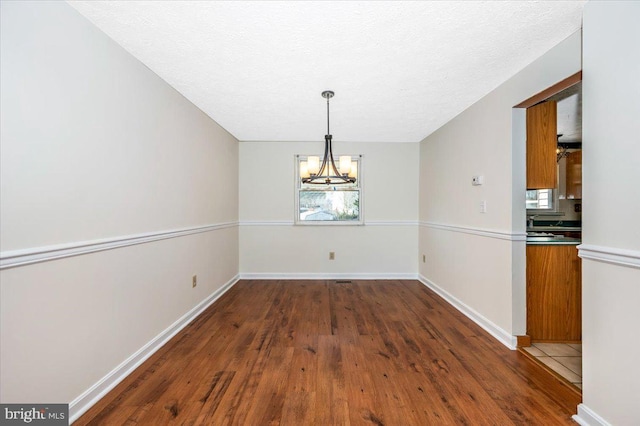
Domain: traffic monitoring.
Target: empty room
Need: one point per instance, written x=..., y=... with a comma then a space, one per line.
x=319, y=213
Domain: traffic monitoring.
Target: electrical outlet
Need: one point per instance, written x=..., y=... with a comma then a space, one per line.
x=483, y=206
x=424, y=259
x=332, y=255
x=194, y=281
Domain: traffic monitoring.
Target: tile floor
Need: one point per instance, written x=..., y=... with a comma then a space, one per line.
x=563, y=358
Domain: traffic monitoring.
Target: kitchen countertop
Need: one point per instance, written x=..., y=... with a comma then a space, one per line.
x=555, y=228
x=552, y=240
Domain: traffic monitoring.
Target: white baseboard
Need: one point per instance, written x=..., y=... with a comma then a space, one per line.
x=87, y=399
x=587, y=417
x=325, y=276
x=501, y=335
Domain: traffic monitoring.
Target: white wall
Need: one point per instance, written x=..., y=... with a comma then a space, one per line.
x=478, y=258
x=611, y=290
x=386, y=246
x=95, y=146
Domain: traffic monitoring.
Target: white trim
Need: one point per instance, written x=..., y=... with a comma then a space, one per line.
x=366, y=223
x=501, y=335
x=11, y=259
x=612, y=255
x=88, y=398
x=266, y=223
x=392, y=223
x=330, y=223
x=325, y=276
x=587, y=417
x=501, y=235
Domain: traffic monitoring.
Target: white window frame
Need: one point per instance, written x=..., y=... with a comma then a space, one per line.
x=298, y=188
x=552, y=200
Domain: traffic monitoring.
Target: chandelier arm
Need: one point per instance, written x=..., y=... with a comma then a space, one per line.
x=327, y=146
x=333, y=164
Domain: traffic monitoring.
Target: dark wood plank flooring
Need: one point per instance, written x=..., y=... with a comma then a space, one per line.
x=327, y=353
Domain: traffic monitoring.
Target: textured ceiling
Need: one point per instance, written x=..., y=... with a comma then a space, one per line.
x=400, y=70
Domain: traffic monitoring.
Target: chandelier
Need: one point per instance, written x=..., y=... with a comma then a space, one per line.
x=561, y=150
x=326, y=173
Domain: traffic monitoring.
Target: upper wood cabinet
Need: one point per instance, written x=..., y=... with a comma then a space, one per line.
x=541, y=145
x=574, y=175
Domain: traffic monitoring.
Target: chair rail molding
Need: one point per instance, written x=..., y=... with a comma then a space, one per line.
x=615, y=256
x=366, y=223
x=491, y=233
x=14, y=258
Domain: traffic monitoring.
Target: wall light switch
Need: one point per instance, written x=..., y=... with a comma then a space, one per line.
x=477, y=180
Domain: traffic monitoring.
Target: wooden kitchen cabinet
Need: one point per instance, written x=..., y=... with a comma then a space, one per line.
x=554, y=293
x=574, y=175
x=542, y=142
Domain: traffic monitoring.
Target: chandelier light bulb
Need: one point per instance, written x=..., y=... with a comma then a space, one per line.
x=313, y=165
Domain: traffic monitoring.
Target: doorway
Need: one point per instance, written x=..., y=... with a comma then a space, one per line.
x=547, y=311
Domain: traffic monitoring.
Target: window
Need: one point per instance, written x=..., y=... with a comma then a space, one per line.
x=540, y=199
x=329, y=204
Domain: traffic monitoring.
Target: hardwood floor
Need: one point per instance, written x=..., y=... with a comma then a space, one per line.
x=327, y=353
